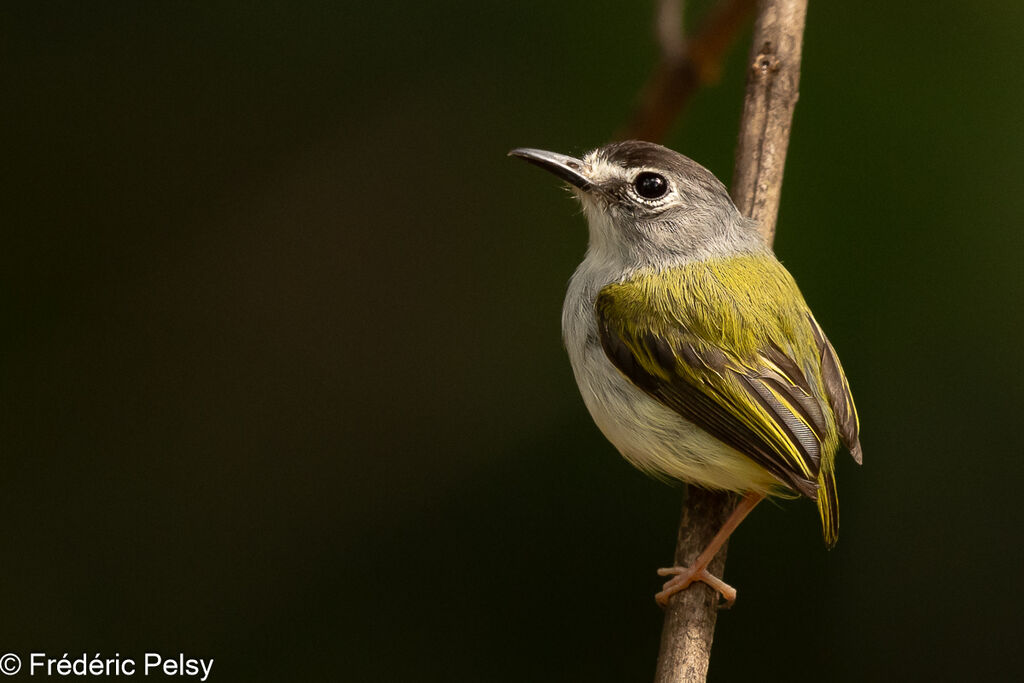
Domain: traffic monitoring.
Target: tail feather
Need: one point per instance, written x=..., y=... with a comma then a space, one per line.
x=828, y=503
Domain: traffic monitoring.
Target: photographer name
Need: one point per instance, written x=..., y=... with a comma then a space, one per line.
x=151, y=664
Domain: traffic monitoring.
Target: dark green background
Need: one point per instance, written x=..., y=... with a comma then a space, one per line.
x=282, y=376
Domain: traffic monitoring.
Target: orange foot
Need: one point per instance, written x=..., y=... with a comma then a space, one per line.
x=684, y=576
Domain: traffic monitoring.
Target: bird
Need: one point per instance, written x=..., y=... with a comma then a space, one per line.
x=692, y=346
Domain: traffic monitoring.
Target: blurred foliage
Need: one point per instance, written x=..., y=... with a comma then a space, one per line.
x=283, y=383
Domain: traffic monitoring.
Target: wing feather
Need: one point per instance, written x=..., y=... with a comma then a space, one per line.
x=759, y=411
x=837, y=389
x=757, y=374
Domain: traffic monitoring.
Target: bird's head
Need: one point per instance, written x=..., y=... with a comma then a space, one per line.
x=648, y=205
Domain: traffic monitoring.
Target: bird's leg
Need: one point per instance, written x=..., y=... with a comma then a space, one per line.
x=682, y=577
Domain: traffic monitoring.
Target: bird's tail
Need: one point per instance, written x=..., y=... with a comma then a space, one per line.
x=828, y=502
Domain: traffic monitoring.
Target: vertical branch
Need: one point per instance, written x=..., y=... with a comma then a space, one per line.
x=772, y=90
x=689, y=625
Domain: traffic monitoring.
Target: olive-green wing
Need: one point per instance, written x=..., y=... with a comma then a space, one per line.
x=837, y=389
x=761, y=403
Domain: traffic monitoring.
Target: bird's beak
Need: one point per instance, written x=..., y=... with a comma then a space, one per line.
x=569, y=169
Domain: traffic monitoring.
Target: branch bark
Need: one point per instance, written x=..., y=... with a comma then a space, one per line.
x=773, y=85
x=771, y=94
x=689, y=625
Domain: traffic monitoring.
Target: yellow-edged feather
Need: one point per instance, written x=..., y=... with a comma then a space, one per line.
x=730, y=344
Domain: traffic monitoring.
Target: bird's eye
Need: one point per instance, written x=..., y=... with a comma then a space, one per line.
x=650, y=185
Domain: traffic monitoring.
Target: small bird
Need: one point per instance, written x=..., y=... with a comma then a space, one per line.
x=694, y=350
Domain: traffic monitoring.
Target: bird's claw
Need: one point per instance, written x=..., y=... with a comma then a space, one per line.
x=681, y=579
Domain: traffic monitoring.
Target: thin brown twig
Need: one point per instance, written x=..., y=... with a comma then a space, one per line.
x=668, y=27
x=684, y=64
x=771, y=94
